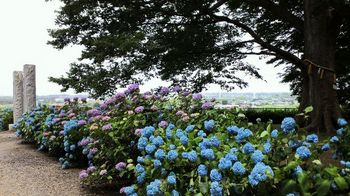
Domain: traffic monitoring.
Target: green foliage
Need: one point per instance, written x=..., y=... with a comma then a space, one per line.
x=113, y=136
x=6, y=118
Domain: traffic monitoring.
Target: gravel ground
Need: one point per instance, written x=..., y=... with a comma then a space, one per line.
x=24, y=171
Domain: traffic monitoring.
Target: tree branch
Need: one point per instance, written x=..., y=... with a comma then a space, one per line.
x=279, y=12
x=217, y=5
x=257, y=53
x=286, y=55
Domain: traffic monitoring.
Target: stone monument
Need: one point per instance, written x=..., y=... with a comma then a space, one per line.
x=17, y=95
x=29, y=88
x=24, y=91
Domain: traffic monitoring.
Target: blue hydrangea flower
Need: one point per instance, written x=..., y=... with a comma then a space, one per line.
x=267, y=147
x=141, y=178
x=298, y=170
x=172, y=155
x=214, y=141
x=202, y=170
x=232, y=129
x=192, y=156
x=238, y=168
x=72, y=147
x=201, y=133
x=342, y=122
x=345, y=163
x=231, y=156
x=334, y=139
x=170, y=127
x=257, y=156
x=209, y=125
x=312, y=138
x=171, y=179
x=274, y=133
x=179, y=133
x=208, y=154
x=148, y=131
x=294, y=144
x=189, y=128
x=233, y=150
x=205, y=144
x=259, y=173
x=184, y=140
x=154, y=188
x=224, y=164
x=158, y=141
x=169, y=134
x=184, y=155
x=215, y=175
x=140, y=159
x=243, y=134
x=129, y=190
x=293, y=194
x=139, y=168
x=326, y=147
x=172, y=147
x=215, y=189
x=160, y=154
x=142, y=143
x=303, y=152
x=150, y=148
x=175, y=193
x=69, y=126
x=248, y=148
x=288, y=125
x=340, y=131
x=307, y=144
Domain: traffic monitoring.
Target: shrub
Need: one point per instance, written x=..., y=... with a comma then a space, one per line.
x=170, y=141
x=6, y=118
x=268, y=114
x=235, y=160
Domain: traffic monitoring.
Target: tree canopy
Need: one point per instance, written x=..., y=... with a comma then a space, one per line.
x=188, y=42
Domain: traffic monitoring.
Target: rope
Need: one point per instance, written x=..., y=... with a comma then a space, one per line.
x=321, y=69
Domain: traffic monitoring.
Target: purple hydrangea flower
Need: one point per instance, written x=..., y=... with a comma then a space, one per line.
x=164, y=91
x=83, y=174
x=107, y=127
x=132, y=88
x=177, y=89
x=197, y=96
x=138, y=132
x=207, y=105
x=94, y=112
x=163, y=124
x=119, y=96
x=120, y=166
x=81, y=122
x=139, y=109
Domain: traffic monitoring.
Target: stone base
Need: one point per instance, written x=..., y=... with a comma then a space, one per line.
x=11, y=127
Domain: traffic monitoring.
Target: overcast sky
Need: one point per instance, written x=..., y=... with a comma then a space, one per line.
x=23, y=38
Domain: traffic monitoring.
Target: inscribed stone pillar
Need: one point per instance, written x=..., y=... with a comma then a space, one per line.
x=29, y=88
x=17, y=95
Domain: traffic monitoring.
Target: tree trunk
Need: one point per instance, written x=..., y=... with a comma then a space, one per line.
x=321, y=31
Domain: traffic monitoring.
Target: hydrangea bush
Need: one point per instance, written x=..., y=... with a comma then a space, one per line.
x=172, y=142
x=221, y=159
x=6, y=118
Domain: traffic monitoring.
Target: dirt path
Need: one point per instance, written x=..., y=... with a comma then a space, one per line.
x=24, y=171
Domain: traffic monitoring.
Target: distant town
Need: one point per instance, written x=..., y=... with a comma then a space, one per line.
x=225, y=99
x=254, y=100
